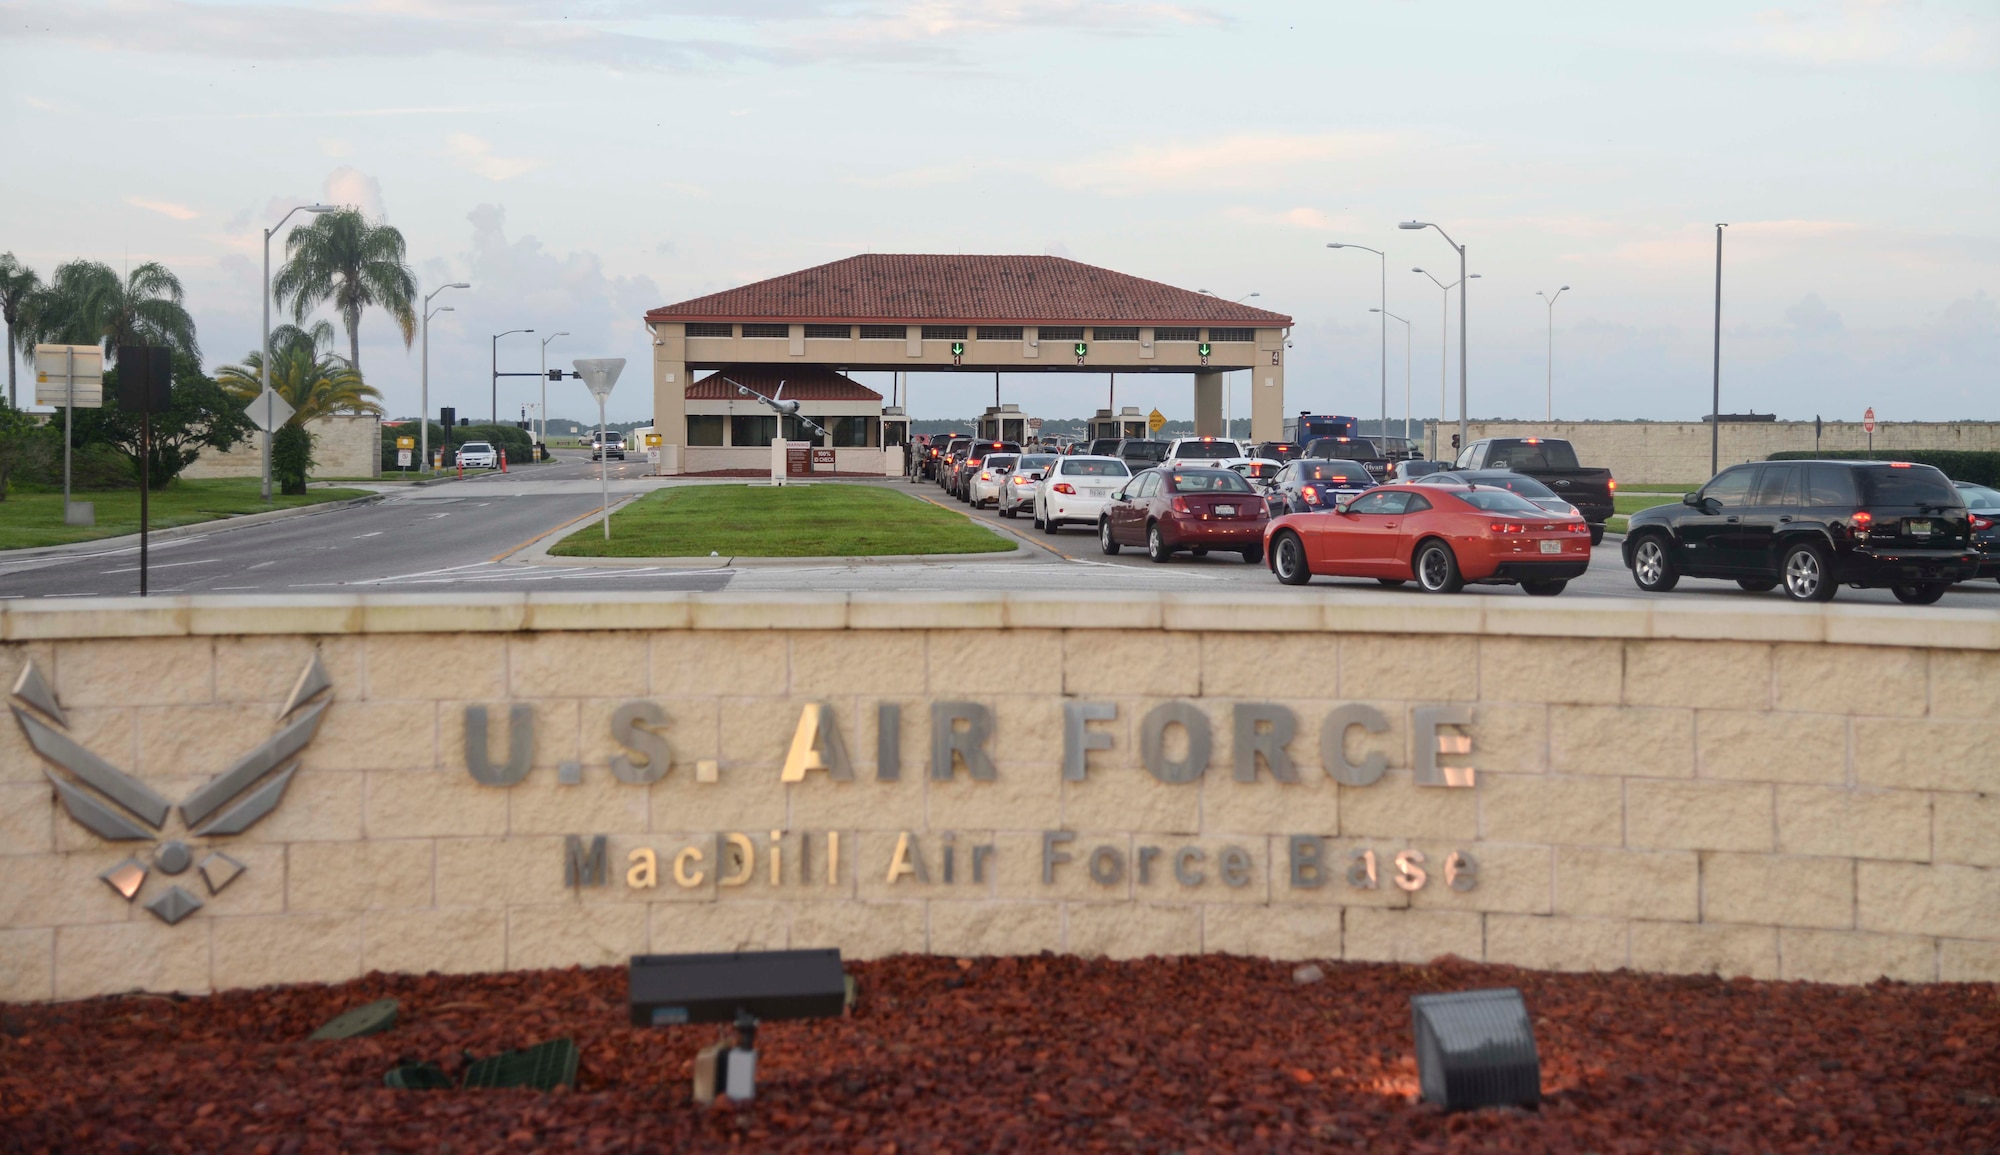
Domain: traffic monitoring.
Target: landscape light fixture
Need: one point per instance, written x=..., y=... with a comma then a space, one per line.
x=1476, y=1049
x=743, y=988
x=265, y=368
x=424, y=399
x=1461, y=315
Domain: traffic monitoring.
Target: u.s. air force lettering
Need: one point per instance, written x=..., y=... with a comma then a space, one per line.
x=1176, y=744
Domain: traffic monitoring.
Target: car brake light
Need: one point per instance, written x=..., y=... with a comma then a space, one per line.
x=1531, y=441
x=1611, y=484
x=985, y=477
x=1863, y=520
x=1065, y=487
x=1980, y=524
x=1507, y=527
x=1579, y=527
x=1310, y=493
x=1899, y=465
x=1180, y=506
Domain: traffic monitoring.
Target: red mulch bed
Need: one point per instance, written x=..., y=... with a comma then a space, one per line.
x=1028, y=1054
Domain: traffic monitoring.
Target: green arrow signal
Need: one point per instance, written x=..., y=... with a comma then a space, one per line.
x=1202, y=348
x=958, y=348
x=1081, y=348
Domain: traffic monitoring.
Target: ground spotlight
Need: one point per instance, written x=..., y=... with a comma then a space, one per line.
x=745, y=988
x=1476, y=1049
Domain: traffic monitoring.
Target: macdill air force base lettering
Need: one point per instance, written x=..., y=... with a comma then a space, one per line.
x=963, y=741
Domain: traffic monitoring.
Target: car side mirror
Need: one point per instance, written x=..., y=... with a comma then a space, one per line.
x=1691, y=500
x=1340, y=505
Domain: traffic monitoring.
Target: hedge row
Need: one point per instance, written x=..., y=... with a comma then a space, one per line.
x=516, y=442
x=1978, y=467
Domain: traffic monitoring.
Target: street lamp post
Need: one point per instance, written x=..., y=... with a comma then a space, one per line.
x=1384, y=429
x=543, y=415
x=1444, y=331
x=424, y=391
x=1406, y=367
x=1715, y=403
x=1551, y=303
x=496, y=369
x=1228, y=383
x=265, y=368
x=1461, y=316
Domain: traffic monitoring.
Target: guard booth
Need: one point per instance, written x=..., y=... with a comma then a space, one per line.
x=1004, y=423
x=1127, y=422
x=895, y=427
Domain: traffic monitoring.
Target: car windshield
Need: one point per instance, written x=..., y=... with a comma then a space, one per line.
x=1532, y=454
x=1034, y=461
x=1346, y=448
x=1980, y=497
x=1001, y=460
x=1258, y=470
x=1210, y=481
x=477, y=447
x=1206, y=448
x=1095, y=469
x=1499, y=501
x=1314, y=471
x=1527, y=487
x=1908, y=485
x=1144, y=450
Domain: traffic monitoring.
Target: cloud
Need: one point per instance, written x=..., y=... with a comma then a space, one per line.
x=1869, y=32
x=350, y=186
x=1810, y=317
x=476, y=156
x=335, y=147
x=1302, y=217
x=164, y=208
x=1244, y=161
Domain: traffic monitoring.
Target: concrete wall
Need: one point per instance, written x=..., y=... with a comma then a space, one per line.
x=1797, y=792
x=347, y=445
x=1677, y=453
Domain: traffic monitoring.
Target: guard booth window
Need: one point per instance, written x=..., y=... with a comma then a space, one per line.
x=795, y=430
x=849, y=432
x=755, y=429
x=705, y=430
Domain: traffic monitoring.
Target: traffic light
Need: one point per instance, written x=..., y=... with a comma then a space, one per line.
x=1454, y=441
x=555, y=374
x=1202, y=349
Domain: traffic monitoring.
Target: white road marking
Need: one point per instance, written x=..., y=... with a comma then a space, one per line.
x=164, y=565
x=358, y=536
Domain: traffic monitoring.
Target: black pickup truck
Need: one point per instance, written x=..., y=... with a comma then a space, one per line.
x=1551, y=461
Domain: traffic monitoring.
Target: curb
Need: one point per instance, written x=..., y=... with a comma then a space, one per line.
x=131, y=540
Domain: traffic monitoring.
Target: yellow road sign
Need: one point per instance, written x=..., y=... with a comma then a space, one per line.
x=653, y=440
x=1156, y=421
x=406, y=443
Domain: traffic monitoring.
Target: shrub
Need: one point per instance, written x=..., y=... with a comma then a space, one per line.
x=1978, y=467
x=291, y=458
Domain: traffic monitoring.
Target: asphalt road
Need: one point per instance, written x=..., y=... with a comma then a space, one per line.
x=469, y=535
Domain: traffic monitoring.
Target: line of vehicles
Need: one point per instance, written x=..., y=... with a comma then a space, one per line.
x=1507, y=511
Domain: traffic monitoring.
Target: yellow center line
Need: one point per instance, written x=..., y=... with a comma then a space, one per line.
x=507, y=553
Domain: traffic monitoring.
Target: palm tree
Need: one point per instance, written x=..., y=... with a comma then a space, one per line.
x=18, y=284
x=315, y=383
x=341, y=258
x=86, y=303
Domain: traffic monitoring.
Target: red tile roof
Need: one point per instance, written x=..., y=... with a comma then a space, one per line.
x=891, y=287
x=802, y=383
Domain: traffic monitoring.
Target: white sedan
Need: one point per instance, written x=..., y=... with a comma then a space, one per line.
x=1076, y=488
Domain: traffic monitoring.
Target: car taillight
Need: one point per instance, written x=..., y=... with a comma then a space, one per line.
x=1065, y=487
x=1507, y=527
x=985, y=477
x=1180, y=506
x=1579, y=527
x=1981, y=524
x=1310, y=493
x=1612, y=485
x=1863, y=520
x=1899, y=465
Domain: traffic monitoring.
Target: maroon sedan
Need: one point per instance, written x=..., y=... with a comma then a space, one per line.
x=1166, y=510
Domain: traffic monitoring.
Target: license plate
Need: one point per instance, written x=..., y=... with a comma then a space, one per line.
x=1225, y=511
x=1551, y=545
x=1918, y=528
x=1095, y=492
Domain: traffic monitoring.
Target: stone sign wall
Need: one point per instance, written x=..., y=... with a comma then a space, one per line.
x=344, y=445
x=208, y=793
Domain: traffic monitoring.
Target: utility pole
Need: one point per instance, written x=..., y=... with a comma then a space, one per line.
x=1715, y=403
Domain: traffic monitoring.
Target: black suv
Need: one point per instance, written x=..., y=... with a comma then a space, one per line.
x=1811, y=526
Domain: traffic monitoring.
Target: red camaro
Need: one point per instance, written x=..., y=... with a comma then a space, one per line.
x=1166, y=510
x=1440, y=536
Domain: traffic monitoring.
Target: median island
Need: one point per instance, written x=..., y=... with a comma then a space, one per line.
x=824, y=520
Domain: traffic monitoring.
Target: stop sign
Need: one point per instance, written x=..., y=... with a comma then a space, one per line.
x=1868, y=420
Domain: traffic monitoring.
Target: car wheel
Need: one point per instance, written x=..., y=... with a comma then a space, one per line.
x=1288, y=560
x=1050, y=525
x=1652, y=566
x=1758, y=585
x=1806, y=579
x=1392, y=583
x=1919, y=594
x=1156, y=544
x=1253, y=555
x=1008, y=513
x=1437, y=569
x=1105, y=541
x=1597, y=535
x=1544, y=588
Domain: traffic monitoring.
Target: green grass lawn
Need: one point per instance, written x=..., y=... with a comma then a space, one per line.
x=796, y=521
x=1628, y=503
x=35, y=519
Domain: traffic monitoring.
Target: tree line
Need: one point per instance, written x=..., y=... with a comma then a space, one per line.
x=338, y=259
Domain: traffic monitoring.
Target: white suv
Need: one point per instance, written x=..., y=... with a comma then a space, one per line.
x=1203, y=452
x=478, y=455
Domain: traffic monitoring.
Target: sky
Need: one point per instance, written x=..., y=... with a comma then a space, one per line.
x=580, y=162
